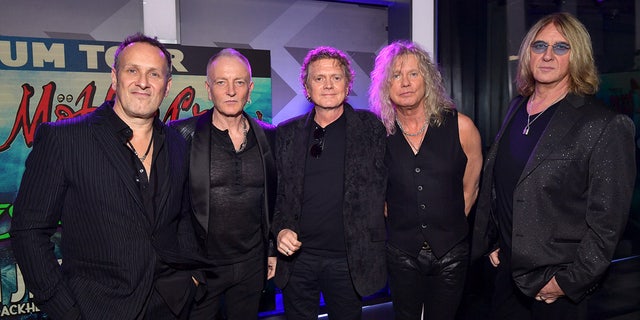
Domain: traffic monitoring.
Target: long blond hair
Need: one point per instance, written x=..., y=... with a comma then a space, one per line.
x=583, y=74
x=436, y=100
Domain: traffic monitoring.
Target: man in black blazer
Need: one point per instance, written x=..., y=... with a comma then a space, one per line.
x=557, y=181
x=233, y=187
x=329, y=216
x=115, y=178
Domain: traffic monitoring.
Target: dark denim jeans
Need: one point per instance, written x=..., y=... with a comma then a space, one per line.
x=313, y=274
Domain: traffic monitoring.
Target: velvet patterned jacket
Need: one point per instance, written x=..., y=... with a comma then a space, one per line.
x=364, y=193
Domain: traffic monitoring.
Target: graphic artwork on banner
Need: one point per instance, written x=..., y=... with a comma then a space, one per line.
x=43, y=80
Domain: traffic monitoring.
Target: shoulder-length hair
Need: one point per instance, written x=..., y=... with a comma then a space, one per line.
x=583, y=74
x=436, y=100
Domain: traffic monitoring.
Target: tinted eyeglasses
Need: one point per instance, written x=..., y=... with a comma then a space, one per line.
x=318, y=142
x=559, y=48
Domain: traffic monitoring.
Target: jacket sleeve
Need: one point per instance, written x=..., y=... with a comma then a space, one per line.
x=37, y=211
x=612, y=172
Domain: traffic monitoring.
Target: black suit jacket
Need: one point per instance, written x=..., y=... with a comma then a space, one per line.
x=571, y=203
x=364, y=194
x=196, y=130
x=75, y=174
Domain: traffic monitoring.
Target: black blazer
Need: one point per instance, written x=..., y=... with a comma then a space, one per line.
x=571, y=203
x=196, y=130
x=364, y=193
x=76, y=174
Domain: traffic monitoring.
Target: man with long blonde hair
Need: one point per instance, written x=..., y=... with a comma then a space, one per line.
x=434, y=158
x=557, y=181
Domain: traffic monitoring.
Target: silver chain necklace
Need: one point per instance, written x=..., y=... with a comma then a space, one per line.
x=424, y=127
x=244, y=132
x=525, y=131
x=245, y=129
x=144, y=157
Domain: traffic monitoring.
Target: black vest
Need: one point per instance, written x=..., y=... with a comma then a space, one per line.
x=425, y=199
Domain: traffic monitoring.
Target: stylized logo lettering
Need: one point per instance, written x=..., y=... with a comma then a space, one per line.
x=22, y=120
x=85, y=100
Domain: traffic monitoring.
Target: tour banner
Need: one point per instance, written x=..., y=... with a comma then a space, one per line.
x=46, y=80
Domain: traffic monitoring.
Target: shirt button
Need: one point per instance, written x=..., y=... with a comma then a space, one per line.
x=417, y=170
x=424, y=226
x=422, y=206
x=419, y=188
x=141, y=170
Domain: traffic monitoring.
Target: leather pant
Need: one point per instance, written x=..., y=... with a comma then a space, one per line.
x=426, y=280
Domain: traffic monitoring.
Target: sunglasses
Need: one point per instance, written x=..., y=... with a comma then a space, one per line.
x=559, y=48
x=318, y=142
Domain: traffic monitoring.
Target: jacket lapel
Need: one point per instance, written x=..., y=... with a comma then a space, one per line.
x=164, y=190
x=268, y=167
x=199, y=169
x=300, y=151
x=565, y=116
x=352, y=154
x=110, y=143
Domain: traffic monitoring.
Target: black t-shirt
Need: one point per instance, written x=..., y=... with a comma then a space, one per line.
x=513, y=153
x=321, y=225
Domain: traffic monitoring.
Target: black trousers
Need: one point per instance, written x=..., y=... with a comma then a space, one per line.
x=233, y=292
x=509, y=302
x=313, y=274
x=426, y=280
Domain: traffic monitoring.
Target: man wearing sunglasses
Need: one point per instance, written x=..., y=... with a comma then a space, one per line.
x=557, y=182
x=329, y=215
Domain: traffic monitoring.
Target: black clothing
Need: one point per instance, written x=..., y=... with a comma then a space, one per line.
x=81, y=172
x=314, y=274
x=425, y=198
x=237, y=286
x=232, y=196
x=237, y=185
x=321, y=225
x=512, y=156
x=427, y=250
x=437, y=283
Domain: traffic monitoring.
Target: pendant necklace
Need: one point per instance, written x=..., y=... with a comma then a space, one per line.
x=409, y=135
x=146, y=153
x=525, y=131
x=415, y=150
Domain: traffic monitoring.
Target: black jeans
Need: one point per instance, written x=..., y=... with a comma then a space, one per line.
x=312, y=274
x=426, y=280
x=238, y=285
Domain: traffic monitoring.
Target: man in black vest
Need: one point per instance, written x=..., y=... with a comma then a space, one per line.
x=434, y=156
